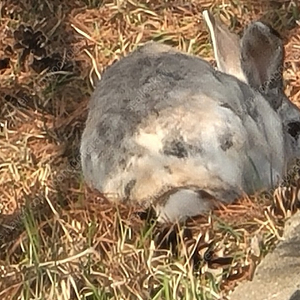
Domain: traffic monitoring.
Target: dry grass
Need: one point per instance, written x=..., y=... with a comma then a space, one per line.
x=60, y=240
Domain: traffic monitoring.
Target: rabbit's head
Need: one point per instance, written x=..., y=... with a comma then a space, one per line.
x=257, y=59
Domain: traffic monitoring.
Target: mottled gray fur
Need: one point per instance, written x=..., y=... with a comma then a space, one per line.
x=166, y=128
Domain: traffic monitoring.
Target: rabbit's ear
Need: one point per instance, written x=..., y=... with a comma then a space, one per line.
x=226, y=46
x=262, y=57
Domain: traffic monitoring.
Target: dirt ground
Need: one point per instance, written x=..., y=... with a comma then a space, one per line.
x=58, y=238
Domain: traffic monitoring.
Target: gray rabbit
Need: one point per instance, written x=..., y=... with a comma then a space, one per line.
x=166, y=129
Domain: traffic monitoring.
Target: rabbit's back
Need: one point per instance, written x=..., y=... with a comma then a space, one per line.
x=161, y=119
x=133, y=81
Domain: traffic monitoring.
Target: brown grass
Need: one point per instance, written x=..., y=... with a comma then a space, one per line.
x=60, y=240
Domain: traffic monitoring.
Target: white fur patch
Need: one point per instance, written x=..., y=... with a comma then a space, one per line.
x=182, y=204
x=150, y=141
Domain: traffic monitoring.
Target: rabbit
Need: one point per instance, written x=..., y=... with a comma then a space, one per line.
x=166, y=129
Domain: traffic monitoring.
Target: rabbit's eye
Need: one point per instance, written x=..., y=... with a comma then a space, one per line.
x=294, y=129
